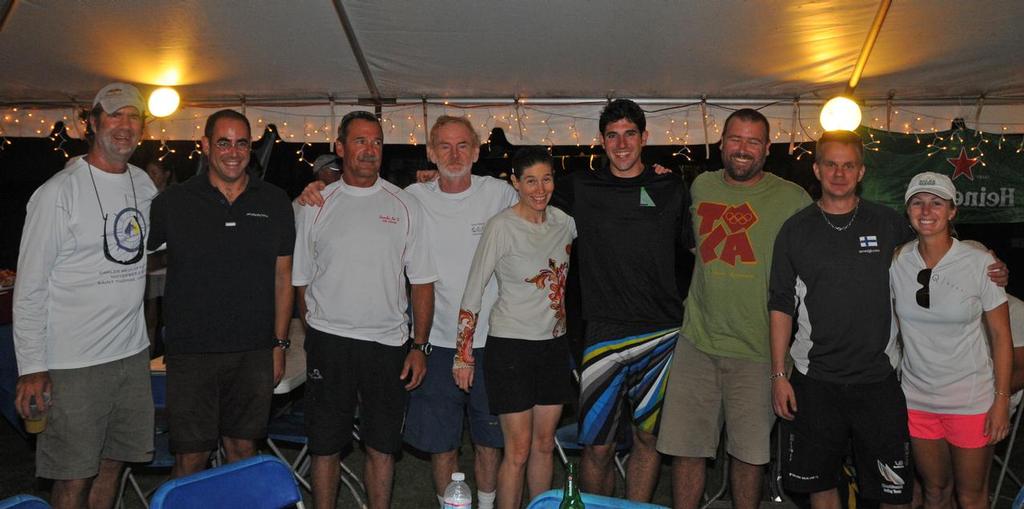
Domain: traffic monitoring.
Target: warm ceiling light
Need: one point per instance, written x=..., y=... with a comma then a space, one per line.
x=840, y=114
x=163, y=101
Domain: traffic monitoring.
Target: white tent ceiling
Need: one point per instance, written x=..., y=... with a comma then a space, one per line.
x=935, y=58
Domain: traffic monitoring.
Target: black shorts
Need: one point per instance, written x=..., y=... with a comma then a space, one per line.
x=873, y=417
x=210, y=395
x=523, y=373
x=343, y=372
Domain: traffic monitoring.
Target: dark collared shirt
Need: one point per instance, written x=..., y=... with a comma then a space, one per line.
x=221, y=261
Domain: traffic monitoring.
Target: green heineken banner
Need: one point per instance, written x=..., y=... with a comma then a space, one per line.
x=987, y=170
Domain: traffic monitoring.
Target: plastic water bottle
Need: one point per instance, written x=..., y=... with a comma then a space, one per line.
x=457, y=494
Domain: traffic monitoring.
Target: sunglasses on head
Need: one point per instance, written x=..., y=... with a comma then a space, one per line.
x=924, y=295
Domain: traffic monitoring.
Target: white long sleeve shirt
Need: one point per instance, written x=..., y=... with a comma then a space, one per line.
x=531, y=262
x=73, y=307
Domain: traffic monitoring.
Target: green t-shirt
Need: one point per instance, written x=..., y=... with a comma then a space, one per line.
x=735, y=227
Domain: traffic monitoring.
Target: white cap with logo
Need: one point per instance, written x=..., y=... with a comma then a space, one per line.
x=931, y=182
x=118, y=95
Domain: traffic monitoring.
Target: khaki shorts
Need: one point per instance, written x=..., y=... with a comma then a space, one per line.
x=705, y=390
x=99, y=412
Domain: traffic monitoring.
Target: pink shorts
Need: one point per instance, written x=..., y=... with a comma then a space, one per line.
x=964, y=431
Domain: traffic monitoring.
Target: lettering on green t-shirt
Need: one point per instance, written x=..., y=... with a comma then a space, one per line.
x=735, y=227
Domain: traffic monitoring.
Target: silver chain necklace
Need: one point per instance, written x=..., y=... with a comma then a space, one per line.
x=839, y=228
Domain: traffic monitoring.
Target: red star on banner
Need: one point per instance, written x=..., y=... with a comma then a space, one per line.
x=963, y=165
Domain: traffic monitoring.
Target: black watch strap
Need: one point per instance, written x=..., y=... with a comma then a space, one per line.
x=426, y=348
x=285, y=344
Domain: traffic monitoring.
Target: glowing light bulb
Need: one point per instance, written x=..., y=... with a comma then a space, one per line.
x=840, y=113
x=163, y=101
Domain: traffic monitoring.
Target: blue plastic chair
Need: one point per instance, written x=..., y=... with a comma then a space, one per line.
x=23, y=502
x=261, y=482
x=1019, y=501
x=552, y=498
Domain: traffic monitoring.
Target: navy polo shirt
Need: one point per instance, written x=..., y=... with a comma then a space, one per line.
x=221, y=262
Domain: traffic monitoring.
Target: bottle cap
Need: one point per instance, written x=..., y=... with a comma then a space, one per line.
x=458, y=476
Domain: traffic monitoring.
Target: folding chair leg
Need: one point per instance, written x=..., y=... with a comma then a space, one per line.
x=620, y=465
x=561, y=453
x=293, y=466
x=1005, y=460
x=126, y=479
x=347, y=471
x=354, y=485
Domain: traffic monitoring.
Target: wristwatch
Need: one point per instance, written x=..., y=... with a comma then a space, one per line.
x=426, y=348
x=285, y=344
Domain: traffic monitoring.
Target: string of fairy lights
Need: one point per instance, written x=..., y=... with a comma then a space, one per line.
x=539, y=124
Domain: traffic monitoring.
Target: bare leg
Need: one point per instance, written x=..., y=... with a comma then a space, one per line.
x=326, y=474
x=380, y=472
x=932, y=459
x=188, y=463
x=687, y=482
x=746, y=481
x=542, y=445
x=104, y=486
x=238, y=448
x=643, y=467
x=70, y=493
x=828, y=499
x=517, y=428
x=442, y=465
x=485, y=467
x=970, y=474
x=597, y=475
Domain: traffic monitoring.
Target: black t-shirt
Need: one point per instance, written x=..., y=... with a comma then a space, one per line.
x=221, y=263
x=837, y=284
x=631, y=232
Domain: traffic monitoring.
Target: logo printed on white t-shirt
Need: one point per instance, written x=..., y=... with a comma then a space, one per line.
x=388, y=219
x=477, y=228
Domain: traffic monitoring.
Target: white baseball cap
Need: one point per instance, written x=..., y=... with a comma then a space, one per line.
x=118, y=95
x=931, y=182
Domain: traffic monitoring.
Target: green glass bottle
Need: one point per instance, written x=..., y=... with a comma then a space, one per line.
x=571, y=498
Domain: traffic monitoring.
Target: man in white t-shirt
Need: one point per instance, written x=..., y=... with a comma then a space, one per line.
x=457, y=205
x=352, y=258
x=79, y=331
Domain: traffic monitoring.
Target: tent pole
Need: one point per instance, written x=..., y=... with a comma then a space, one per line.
x=869, y=44
x=357, y=51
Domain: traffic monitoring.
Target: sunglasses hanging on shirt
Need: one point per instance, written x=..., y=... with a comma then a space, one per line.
x=140, y=252
x=923, y=295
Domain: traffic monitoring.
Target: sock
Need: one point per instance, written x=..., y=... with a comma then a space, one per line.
x=440, y=501
x=485, y=499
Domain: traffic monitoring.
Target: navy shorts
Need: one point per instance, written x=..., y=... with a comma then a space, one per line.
x=343, y=372
x=436, y=408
